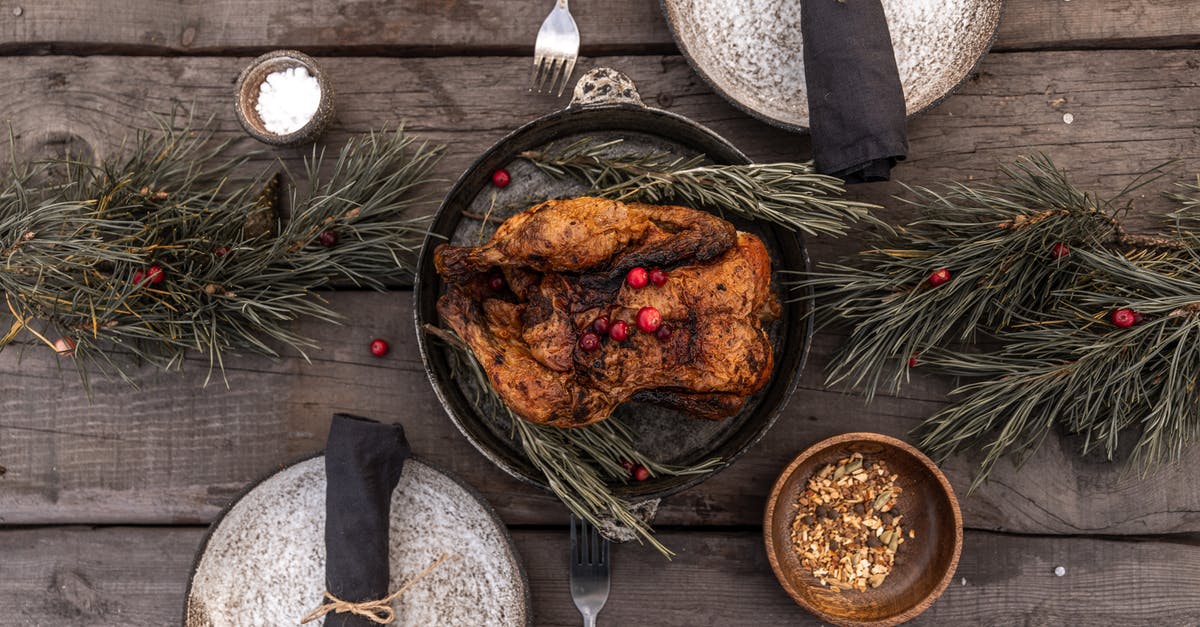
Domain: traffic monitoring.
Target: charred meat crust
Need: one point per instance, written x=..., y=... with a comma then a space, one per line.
x=526, y=335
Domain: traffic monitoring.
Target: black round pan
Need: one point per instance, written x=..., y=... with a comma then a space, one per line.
x=606, y=106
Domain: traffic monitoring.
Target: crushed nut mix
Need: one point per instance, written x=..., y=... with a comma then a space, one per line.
x=846, y=531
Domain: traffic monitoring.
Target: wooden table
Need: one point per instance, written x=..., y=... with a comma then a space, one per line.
x=103, y=500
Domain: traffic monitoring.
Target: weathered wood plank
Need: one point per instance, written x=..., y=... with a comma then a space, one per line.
x=138, y=576
x=1031, y=24
x=1131, y=110
x=438, y=27
x=173, y=451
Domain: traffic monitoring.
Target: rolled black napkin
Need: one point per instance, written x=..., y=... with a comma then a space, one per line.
x=363, y=461
x=855, y=99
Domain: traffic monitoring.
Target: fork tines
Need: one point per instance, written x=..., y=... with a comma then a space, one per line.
x=556, y=50
x=589, y=570
x=588, y=547
x=551, y=71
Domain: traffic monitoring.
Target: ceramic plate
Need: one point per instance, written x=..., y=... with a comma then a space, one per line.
x=751, y=52
x=263, y=562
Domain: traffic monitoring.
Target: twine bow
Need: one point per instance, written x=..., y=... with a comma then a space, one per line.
x=379, y=611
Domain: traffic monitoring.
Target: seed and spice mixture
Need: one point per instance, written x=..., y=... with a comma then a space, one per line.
x=846, y=531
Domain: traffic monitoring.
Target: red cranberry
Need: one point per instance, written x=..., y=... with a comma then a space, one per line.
x=328, y=239
x=641, y=473
x=500, y=178
x=138, y=277
x=600, y=325
x=222, y=251
x=155, y=275
x=658, y=277
x=589, y=341
x=664, y=332
x=637, y=278
x=618, y=331
x=496, y=281
x=912, y=361
x=1124, y=318
x=65, y=347
x=1059, y=250
x=939, y=277
x=379, y=347
x=648, y=319
x=628, y=466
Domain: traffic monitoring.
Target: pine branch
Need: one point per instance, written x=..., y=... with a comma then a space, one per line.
x=236, y=274
x=578, y=464
x=996, y=241
x=792, y=195
x=1084, y=373
x=1038, y=267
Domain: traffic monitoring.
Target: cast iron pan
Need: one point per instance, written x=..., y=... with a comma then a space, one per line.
x=606, y=106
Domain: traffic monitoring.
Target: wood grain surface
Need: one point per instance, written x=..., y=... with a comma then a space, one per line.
x=67, y=576
x=1131, y=110
x=174, y=451
x=1107, y=88
x=441, y=27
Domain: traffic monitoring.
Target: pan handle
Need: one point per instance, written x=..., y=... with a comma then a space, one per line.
x=604, y=86
x=616, y=532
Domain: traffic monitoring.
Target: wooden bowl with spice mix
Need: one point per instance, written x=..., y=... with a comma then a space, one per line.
x=863, y=529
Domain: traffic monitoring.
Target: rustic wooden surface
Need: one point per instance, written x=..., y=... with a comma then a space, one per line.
x=81, y=76
x=67, y=576
x=435, y=27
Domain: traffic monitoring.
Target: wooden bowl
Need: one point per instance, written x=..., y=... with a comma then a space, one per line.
x=924, y=566
x=250, y=81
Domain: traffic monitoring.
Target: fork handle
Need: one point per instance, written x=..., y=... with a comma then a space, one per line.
x=562, y=4
x=589, y=620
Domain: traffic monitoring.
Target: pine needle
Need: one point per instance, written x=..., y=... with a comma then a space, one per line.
x=74, y=235
x=791, y=195
x=579, y=465
x=1027, y=330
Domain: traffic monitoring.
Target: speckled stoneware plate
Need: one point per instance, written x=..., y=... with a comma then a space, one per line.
x=606, y=107
x=751, y=51
x=263, y=562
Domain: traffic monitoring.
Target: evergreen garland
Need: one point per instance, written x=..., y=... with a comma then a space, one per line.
x=1055, y=315
x=169, y=249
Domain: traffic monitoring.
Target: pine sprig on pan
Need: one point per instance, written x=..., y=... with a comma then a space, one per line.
x=791, y=195
x=77, y=241
x=578, y=464
x=1038, y=270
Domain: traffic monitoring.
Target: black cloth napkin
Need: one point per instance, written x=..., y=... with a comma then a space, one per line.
x=855, y=99
x=363, y=461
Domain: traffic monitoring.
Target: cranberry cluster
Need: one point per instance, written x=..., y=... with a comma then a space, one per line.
x=649, y=320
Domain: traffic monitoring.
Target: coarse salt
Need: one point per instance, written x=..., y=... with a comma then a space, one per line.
x=287, y=100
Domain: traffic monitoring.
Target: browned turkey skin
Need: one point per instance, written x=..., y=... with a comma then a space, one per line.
x=564, y=263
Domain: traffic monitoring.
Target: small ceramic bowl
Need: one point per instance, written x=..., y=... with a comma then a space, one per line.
x=250, y=81
x=924, y=566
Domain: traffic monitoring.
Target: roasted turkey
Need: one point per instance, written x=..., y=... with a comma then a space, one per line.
x=564, y=264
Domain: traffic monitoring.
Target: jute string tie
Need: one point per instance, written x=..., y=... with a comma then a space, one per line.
x=379, y=611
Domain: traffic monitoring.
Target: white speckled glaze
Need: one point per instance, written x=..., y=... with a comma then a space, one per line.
x=264, y=562
x=752, y=53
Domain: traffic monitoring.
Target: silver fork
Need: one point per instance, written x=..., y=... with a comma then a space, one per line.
x=589, y=570
x=556, y=50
